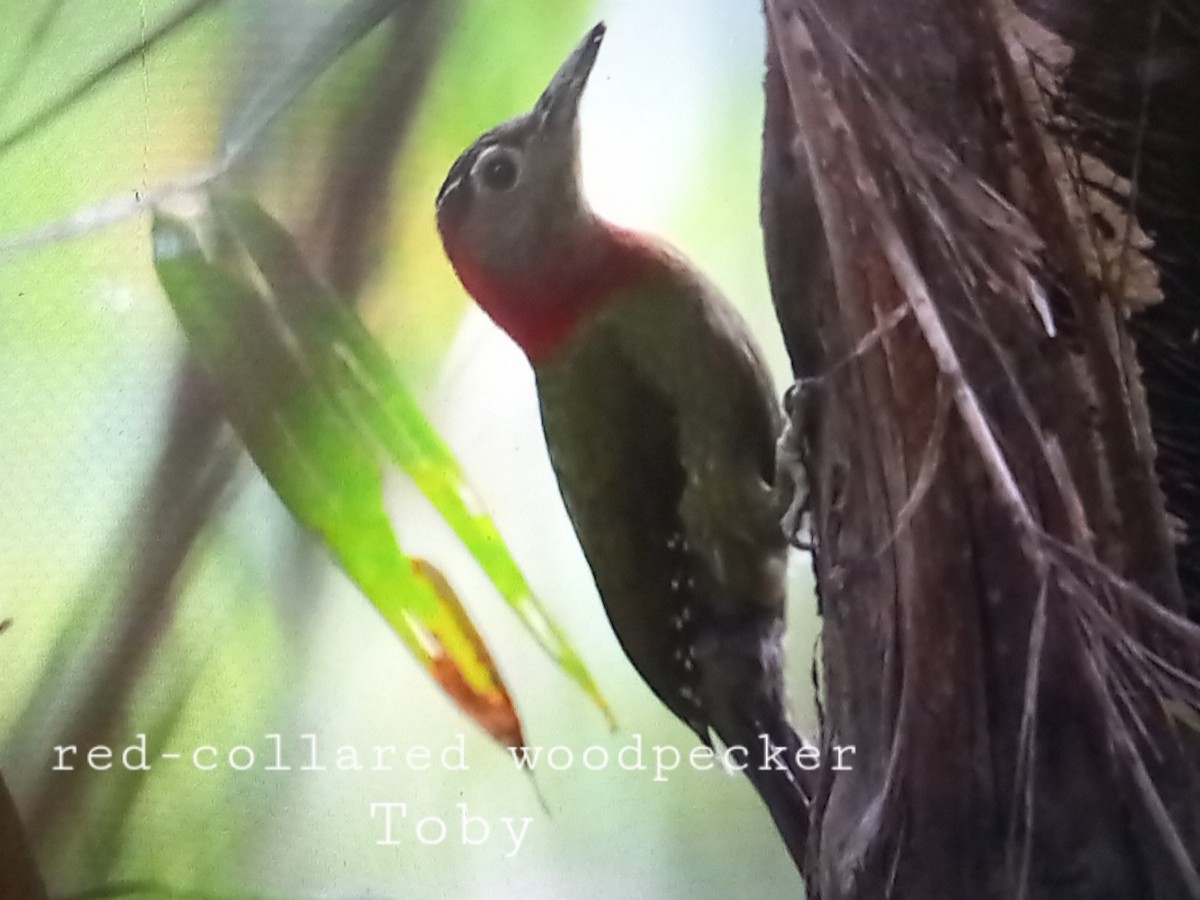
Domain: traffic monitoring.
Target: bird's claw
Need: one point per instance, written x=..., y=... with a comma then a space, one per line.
x=791, y=467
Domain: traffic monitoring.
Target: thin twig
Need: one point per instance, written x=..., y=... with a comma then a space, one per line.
x=131, y=54
x=345, y=27
x=107, y=212
x=1025, y=778
x=1123, y=744
x=931, y=463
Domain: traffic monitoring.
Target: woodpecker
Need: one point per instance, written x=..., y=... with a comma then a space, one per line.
x=660, y=420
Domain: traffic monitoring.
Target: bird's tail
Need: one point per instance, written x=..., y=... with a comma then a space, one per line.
x=773, y=767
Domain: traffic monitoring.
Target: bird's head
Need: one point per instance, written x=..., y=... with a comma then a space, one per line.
x=518, y=231
x=515, y=193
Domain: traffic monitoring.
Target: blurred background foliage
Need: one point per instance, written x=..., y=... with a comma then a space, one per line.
x=154, y=582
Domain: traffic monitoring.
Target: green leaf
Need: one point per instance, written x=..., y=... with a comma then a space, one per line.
x=359, y=370
x=320, y=463
x=318, y=403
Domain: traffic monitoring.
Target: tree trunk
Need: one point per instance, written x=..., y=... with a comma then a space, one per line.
x=1002, y=632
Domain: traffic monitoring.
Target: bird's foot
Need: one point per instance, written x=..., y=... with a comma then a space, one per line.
x=791, y=467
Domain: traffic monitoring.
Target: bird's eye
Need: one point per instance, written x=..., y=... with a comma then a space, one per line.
x=498, y=171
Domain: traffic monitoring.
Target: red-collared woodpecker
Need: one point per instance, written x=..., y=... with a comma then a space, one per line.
x=661, y=423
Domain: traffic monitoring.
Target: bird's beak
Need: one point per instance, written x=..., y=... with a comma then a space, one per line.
x=558, y=106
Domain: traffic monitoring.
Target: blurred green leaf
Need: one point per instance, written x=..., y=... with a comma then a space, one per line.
x=29, y=50
x=345, y=28
x=317, y=403
x=319, y=461
x=359, y=371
